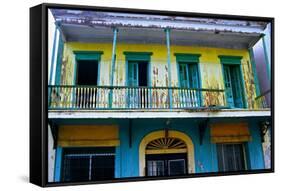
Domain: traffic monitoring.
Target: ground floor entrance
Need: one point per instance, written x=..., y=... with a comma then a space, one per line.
x=166, y=164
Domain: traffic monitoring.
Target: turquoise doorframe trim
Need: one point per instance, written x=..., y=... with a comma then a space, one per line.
x=190, y=59
x=253, y=64
x=53, y=57
x=186, y=57
x=58, y=164
x=234, y=60
x=86, y=55
x=225, y=59
x=59, y=61
x=113, y=59
x=167, y=31
x=138, y=56
x=266, y=59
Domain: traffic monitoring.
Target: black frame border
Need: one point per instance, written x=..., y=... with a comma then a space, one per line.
x=38, y=101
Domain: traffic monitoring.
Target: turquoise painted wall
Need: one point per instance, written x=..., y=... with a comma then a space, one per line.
x=205, y=154
x=255, y=147
x=127, y=158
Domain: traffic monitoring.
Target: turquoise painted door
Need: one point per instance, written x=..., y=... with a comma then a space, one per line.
x=228, y=86
x=188, y=78
x=133, y=74
x=194, y=82
x=193, y=76
x=133, y=81
x=183, y=72
x=236, y=87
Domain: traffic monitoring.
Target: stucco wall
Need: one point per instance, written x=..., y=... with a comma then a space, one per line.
x=205, y=155
x=210, y=66
x=127, y=161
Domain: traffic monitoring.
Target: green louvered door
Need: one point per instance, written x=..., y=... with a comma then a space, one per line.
x=188, y=78
x=194, y=82
x=236, y=87
x=233, y=86
x=183, y=71
x=228, y=86
x=133, y=83
x=133, y=74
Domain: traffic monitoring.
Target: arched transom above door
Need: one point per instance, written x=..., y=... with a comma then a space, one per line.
x=159, y=143
x=166, y=145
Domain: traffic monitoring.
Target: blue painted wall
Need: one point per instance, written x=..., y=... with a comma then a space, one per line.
x=127, y=158
x=205, y=154
x=205, y=161
x=255, y=147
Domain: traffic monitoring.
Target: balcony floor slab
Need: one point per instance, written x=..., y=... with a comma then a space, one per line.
x=163, y=113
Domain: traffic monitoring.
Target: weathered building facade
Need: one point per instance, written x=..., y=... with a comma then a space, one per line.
x=141, y=95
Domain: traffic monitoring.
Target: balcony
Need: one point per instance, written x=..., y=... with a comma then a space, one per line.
x=133, y=98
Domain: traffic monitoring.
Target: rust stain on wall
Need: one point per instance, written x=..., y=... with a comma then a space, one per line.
x=211, y=82
x=249, y=83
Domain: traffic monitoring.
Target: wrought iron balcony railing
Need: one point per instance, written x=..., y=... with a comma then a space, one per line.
x=123, y=97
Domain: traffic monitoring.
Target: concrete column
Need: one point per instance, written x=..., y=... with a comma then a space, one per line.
x=167, y=31
x=113, y=59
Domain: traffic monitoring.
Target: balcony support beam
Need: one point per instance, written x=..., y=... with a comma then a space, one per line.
x=167, y=31
x=113, y=59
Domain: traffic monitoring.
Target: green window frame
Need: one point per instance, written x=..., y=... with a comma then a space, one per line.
x=134, y=57
x=188, y=67
x=232, y=71
x=87, y=55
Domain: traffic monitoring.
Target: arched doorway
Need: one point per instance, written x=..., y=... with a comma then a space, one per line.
x=164, y=154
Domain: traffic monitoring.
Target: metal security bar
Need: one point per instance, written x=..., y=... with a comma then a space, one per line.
x=124, y=97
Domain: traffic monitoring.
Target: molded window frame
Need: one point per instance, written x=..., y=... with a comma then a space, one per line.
x=138, y=56
x=244, y=150
x=189, y=59
x=234, y=60
x=87, y=55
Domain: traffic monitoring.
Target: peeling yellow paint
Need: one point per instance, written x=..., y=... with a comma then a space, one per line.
x=210, y=66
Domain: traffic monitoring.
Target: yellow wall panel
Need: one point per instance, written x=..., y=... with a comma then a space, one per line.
x=210, y=66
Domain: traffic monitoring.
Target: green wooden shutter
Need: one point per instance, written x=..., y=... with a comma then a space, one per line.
x=183, y=72
x=133, y=81
x=236, y=87
x=193, y=76
x=133, y=74
x=228, y=86
x=194, y=81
